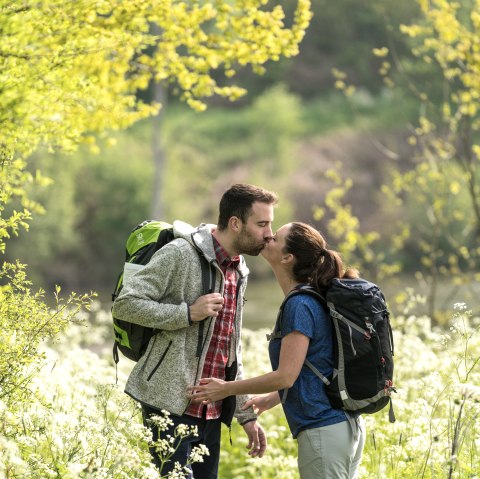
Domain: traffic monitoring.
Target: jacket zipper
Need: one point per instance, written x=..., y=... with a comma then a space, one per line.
x=160, y=361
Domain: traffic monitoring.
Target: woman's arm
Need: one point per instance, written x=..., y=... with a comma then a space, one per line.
x=292, y=356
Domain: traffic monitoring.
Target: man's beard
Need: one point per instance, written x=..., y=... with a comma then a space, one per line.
x=246, y=244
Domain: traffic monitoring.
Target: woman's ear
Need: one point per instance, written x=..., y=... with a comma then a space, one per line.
x=287, y=258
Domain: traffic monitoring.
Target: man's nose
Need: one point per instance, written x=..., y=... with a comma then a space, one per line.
x=268, y=235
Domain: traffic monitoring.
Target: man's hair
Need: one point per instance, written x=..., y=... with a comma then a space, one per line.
x=238, y=200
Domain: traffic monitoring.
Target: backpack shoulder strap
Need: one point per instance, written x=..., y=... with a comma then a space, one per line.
x=208, y=286
x=317, y=372
x=277, y=332
x=208, y=271
x=308, y=290
x=208, y=275
x=319, y=296
x=165, y=236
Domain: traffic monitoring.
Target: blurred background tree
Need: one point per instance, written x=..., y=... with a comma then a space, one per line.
x=346, y=163
x=73, y=69
x=444, y=179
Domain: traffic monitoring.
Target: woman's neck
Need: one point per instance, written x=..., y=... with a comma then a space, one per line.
x=286, y=282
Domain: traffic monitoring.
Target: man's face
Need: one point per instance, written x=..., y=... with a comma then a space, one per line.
x=257, y=231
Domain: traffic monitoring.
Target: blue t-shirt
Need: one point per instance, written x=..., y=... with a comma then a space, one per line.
x=307, y=405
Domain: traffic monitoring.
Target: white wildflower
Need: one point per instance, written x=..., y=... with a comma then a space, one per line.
x=162, y=422
x=183, y=430
x=164, y=447
x=142, y=432
x=178, y=472
x=198, y=452
x=75, y=468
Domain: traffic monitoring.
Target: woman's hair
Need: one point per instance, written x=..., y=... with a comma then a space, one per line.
x=314, y=263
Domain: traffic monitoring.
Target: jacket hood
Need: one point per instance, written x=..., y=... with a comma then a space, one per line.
x=201, y=238
x=183, y=230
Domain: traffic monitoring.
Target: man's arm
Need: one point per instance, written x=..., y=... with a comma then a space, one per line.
x=158, y=296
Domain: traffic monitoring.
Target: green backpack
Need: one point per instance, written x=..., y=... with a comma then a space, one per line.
x=144, y=240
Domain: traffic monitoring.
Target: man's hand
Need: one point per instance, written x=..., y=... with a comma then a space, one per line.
x=257, y=440
x=208, y=305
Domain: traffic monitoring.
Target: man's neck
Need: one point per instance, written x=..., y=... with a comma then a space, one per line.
x=224, y=239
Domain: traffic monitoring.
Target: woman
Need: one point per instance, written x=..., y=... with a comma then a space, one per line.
x=330, y=443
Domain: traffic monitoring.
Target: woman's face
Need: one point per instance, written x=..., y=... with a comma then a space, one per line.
x=274, y=250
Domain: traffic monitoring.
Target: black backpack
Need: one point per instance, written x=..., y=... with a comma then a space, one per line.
x=362, y=380
x=144, y=240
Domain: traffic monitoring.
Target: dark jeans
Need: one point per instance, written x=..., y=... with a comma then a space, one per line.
x=209, y=433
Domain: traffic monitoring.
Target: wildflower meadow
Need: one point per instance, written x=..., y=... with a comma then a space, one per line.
x=78, y=423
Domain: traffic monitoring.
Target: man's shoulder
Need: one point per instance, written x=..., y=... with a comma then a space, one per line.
x=177, y=250
x=178, y=247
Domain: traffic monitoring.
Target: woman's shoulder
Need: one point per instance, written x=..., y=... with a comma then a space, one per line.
x=303, y=313
x=306, y=302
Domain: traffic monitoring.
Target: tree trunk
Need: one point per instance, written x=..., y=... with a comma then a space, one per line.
x=158, y=154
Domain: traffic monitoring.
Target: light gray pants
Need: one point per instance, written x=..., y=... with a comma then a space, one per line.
x=331, y=452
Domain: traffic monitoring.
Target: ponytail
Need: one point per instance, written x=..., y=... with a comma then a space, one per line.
x=330, y=267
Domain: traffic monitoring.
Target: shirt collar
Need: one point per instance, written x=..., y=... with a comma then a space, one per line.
x=222, y=256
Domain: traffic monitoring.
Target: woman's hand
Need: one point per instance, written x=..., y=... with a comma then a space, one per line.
x=208, y=391
x=292, y=356
x=262, y=402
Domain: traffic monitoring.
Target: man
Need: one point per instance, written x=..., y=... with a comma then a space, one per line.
x=199, y=333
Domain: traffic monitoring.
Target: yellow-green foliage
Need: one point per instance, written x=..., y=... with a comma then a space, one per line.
x=445, y=181
x=72, y=67
x=359, y=248
x=439, y=196
x=448, y=37
x=68, y=69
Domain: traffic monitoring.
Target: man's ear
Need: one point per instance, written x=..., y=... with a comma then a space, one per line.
x=235, y=223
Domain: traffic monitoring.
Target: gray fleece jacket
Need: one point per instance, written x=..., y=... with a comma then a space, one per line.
x=158, y=296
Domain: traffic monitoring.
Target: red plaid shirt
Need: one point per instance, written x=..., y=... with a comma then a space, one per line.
x=219, y=347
